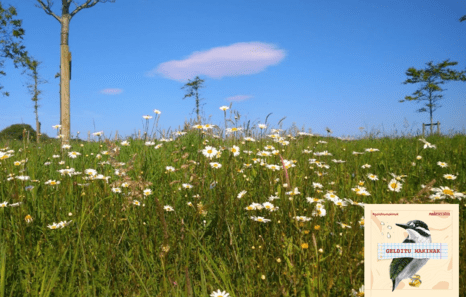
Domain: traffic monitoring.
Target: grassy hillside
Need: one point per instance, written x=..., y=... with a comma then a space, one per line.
x=177, y=218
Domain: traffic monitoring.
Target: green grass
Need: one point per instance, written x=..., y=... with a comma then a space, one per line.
x=115, y=248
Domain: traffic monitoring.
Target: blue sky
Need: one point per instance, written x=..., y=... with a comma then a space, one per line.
x=337, y=64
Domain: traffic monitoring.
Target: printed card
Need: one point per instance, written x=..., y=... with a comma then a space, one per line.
x=411, y=250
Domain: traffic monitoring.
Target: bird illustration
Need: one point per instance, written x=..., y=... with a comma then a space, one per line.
x=402, y=268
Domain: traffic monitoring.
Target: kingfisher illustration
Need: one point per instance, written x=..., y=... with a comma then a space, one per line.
x=402, y=268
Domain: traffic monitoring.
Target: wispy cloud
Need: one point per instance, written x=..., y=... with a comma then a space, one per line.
x=111, y=91
x=243, y=58
x=238, y=98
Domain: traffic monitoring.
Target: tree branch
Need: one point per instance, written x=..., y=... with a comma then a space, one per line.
x=47, y=9
x=88, y=4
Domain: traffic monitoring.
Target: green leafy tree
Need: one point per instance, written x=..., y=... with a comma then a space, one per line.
x=65, y=55
x=33, y=89
x=11, y=36
x=431, y=77
x=193, y=87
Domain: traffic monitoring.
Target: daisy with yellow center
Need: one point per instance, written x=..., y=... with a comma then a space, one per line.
x=372, y=176
x=436, y=196
x=209, y=152
x=28, y=219
x=449, y=176
x=234, y=129
x=264, y=153
x=273, y=167
x=340, y=203
x=448, y=192
x=330, y=196
x=52, y=182
x=53, y=226
x=260, y=219
x=442, y=164
x=235, y=150
x=168, y=208
x=215, y=165
x=361, y=222
x=394, y=185
x=320, y=212
x=208, y=126
x=312, y=200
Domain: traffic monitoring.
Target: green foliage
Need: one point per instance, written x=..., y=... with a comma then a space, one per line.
x=11, y=35
x=193, y=87
x=32, y=72
x=431, y=78
x=16, y=132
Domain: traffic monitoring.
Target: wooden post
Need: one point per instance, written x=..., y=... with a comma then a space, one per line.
x=38, y=131
x=88, y=135
x=438, y=128
x=139, y=134
x=116, y=135
x=65, y=56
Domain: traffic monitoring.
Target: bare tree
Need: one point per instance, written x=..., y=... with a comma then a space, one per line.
x=34, y=90
x=65, y=56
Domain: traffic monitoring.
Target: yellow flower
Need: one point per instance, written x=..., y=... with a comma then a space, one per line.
x=317, y=227
x=304, y=246
x=28, y=219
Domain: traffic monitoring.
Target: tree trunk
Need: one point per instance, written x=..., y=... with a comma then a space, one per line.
x=37, y=130
x=65, y=56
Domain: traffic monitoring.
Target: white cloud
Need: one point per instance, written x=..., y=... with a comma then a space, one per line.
x=238, y=98
x=243, y=58
x=111, y=91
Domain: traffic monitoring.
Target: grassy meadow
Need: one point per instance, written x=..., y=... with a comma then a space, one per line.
x=256, y=212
